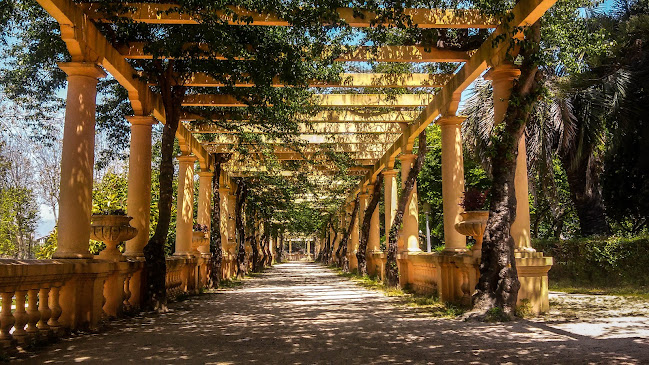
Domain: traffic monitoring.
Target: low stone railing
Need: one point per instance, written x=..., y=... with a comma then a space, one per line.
x=42, y=299
x=454, y=275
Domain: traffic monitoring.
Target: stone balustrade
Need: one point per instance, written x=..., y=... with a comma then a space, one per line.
x=454, y=275
x=44, y=299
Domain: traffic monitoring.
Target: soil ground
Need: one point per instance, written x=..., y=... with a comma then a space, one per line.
x=303, y=313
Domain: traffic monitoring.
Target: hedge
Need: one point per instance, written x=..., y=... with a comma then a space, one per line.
x=610, y=261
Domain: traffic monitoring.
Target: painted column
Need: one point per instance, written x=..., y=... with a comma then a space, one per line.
x=77, y=160
x=232, y=210
x=410, y=229
x=374, y=239
x=205, y=198
x=502, y=81
x=185, y=205
x=225, y=214
x=308, y=248
x=390, y=180
x=353, y=236
x=139, y=183
x=452, y=181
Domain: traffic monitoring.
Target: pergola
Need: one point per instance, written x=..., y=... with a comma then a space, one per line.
x=374, y=140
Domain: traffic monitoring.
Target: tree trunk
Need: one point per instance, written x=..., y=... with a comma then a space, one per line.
x=586, y=194
x=344, y=260
x=216, y=249
x=242, y=192
x=498, y=286
x=280, y=251
x=268, y=254
x=391, y=268
x=254, y=244
x=365, y=228
x=155, y=296
x=331, y=246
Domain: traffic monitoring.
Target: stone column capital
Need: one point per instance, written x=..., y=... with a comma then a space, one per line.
x=503, y=72
x=451, y=120
x=408, y=157
x=88, y=69
x=204, y=174
x=145, y=120
x=390, y=172
x=186, y=158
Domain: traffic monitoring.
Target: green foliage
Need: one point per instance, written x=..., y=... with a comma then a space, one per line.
x=613, y=261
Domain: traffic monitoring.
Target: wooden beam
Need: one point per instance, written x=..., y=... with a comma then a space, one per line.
x=326, y=100
x=314, y=139
x=136, y=51
x=329, y=116
x=424, y=18
x=340, y=148
x=376, y=80
x=313, y=128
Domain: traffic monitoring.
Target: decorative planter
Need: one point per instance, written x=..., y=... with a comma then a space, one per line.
x=111, y=230
x=199, y=238
x=473, y=224
x=204, y=249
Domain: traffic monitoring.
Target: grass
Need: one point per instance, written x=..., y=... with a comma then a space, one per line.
x=636, y=292
x=427, y=304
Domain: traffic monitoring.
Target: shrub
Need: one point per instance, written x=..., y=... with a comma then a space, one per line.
x=610, y=261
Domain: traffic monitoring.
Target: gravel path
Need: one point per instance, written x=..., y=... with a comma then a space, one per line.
x=301, y=313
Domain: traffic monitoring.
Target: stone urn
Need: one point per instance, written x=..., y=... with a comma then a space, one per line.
x=199, y=238
x=473, y=224
x=111, y=230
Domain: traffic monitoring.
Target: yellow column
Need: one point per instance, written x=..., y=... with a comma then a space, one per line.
x=390, y=179
x=374, y=239
x=185, y=205
x=353, y=236
x=410, y=229
x=225, y=214
x=77, y=160
x=452, y=181
x=308, y=248
x=364, y=199
x=139, y=183
x=205, y=198
x=502, y=81
x=232, y=228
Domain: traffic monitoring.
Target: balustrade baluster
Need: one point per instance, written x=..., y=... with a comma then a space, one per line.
x=33, y=315
x=44, y=309
x=21, y=318
x=127, y=292
x=55, y=307
x=6, y=319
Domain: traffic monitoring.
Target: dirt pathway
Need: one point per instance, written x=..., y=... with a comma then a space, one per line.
x=300, y=313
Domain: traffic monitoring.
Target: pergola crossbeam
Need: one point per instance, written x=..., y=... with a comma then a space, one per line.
x=325, y=100
x=424, y=18
x=136, y=51
x=374, y=80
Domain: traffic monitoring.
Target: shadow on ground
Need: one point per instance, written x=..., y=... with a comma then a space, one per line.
x=301, y=313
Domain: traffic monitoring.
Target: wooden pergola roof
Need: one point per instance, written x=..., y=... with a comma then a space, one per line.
x=372, y=138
